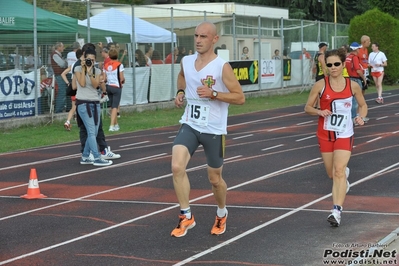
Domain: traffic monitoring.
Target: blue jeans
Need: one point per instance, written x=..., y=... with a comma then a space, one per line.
x=354, y=102
x=60, y=100
x=91, y=128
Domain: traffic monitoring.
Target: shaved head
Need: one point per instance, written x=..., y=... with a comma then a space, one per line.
x=205, y=37
x=365, y=41
x=207, y=26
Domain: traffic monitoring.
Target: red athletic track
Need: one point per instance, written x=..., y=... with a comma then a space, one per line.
x=278, y=200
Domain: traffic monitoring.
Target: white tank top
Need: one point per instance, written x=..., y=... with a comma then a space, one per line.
x=203, y=114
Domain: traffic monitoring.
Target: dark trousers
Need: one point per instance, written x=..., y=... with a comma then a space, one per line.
x=100, y=137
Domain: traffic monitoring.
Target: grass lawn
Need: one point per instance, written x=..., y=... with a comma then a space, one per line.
x=42, y=135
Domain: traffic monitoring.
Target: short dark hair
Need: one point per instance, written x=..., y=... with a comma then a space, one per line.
x=79, y=53
x=88, y=46
x=90, y=51
x=113, y=54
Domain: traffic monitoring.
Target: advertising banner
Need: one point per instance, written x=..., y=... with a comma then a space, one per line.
x=17, y=94
x=246, y=71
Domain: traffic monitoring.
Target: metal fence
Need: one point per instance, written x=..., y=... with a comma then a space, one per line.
x=274, y=57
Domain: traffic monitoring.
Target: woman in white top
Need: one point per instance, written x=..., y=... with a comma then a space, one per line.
x=377, y=62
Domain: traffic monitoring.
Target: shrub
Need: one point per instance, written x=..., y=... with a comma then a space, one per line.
x=383, y=29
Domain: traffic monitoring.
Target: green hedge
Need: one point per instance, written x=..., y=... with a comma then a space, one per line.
x=383, y=29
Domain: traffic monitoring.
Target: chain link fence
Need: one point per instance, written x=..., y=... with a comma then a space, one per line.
x=265, y=52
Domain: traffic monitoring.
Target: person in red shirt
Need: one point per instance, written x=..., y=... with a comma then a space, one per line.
x=305, y=54
x=363, y=55
x=355, y=71
x=168, y=59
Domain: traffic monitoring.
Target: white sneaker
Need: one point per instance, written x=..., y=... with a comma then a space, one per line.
x=104, y=99
x=117, y=128
x=113, y=128
x=348, y=185
x=101, y=162
x=334, y=218
x=107, y=154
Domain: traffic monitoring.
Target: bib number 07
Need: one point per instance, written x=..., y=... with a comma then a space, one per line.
x=335, y=122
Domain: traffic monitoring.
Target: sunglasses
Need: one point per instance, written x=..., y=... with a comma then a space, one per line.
x=337, y=64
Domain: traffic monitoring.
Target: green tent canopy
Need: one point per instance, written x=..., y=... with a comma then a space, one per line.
x=17, y=16
x=16, y=27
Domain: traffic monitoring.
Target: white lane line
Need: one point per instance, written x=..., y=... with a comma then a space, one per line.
x=304, y=123
x=372, y=140
x=310, y=137
x=245, y=136
x=265, y=119
x=205, y=252
x=265, y=149
x=395, y=132
x=274, y=129
x=104, y=191
x=380, y=118
x=134, y=144
x=61, y=158
x=143, y=216
x=92, y=170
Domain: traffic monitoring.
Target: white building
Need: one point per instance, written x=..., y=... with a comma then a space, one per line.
x=183, y=18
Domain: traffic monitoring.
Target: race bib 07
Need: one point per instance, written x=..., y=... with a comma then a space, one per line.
x=335, y=122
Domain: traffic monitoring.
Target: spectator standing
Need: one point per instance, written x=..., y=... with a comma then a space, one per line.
x=105, y=150
x=59, y=64
x=244, y=55
x=209, y=84
x=168, y=59
x=88, y=106
x=363, y=55
x=71, y=56
x=355, y=72
x=122, y=55
x=276, y=55
x=140, y=58
x=67, y=124
x=336, y=139
x=148, y=54
x=345, y=71
x=377, y=61
x=319, y=64
x=71, y=59
x=114, y=77
x=30, y=61
x=181, y=54
x=156, y=57
x=305, y=54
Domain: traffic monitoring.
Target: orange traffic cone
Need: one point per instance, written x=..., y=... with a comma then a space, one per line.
x=33, y=187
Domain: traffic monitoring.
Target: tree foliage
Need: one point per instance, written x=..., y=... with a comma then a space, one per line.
x=71, y=9
x=384, y=31
x=387, y=6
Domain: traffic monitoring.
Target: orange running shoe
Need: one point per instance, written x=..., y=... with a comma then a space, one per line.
x=219, y=226
x=183, y=225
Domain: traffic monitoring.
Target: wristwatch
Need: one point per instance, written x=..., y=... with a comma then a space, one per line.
x=214, y=94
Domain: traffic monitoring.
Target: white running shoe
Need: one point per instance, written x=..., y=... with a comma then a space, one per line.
x=107, y=154
x=334, y=218
x=348, y=185
x=101, y=162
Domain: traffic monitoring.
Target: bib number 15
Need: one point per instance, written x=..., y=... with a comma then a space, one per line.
x=198, y=114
